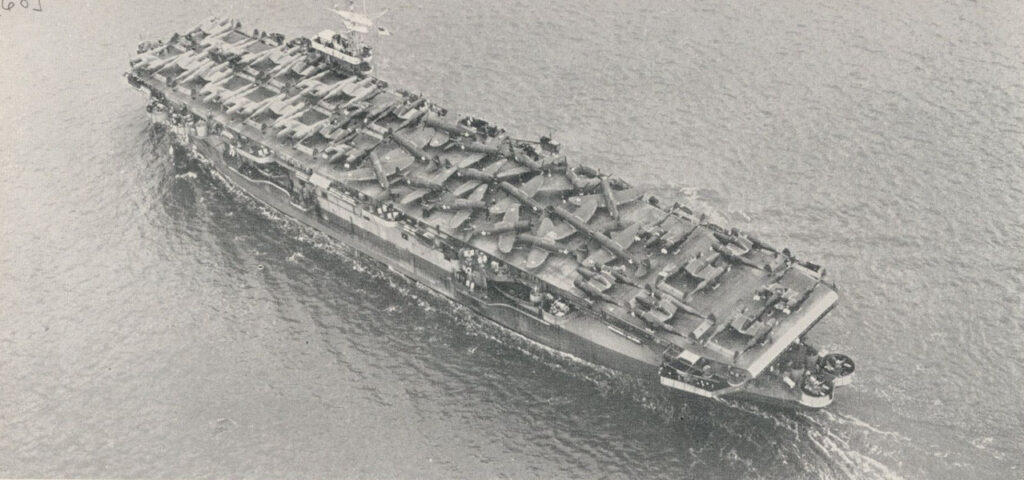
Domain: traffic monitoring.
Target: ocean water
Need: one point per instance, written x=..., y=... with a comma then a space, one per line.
x=162, y=325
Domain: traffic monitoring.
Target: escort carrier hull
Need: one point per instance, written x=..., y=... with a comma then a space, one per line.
x=578, y=261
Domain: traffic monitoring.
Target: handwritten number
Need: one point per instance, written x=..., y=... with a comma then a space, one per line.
x=8, y=5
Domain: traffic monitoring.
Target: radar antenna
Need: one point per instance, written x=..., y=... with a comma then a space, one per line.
x=360, y=22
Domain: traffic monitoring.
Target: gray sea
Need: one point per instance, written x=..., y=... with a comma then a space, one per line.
x=163, y=326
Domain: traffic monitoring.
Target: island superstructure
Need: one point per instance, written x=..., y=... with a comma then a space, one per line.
x=572, y=258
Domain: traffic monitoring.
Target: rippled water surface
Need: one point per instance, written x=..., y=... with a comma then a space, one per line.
x=140, y=338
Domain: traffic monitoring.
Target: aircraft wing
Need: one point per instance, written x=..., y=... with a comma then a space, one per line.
x=421, y=136
x=538, y=255
x=443, y=175
x=364, y=174
x=563, y=230
x=440, y=138
x=624, y=238
x=459, y=218
x=396, y=159
x=530, y=188
x=469, y=159
x=469, y=185
x=414, y=195
x=507, y=240
x=587, y=209
x=512, y=172
x=627, y=236
x=389, y=165
x=466, y=187
x=557, y=184
x=462, y=215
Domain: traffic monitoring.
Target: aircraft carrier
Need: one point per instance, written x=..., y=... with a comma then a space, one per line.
x=575, y=259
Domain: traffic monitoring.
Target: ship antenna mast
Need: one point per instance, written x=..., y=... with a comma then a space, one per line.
x=358, y=26
x=360, y=23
